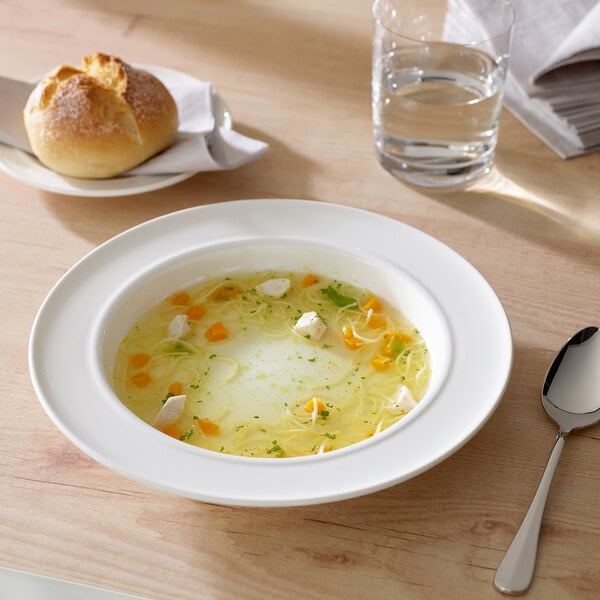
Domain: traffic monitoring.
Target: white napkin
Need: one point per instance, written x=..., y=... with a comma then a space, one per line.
x=204, y=140
x=553, y=84
x=553, y=81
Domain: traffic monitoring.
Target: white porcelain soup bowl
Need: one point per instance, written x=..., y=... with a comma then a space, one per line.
x=82, y=320
x=183, y=469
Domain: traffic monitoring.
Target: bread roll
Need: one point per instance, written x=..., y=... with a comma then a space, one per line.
x=99, y=121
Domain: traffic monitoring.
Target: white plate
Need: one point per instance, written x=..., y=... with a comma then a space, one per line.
x=62, y=358
x=21, y=584
x=28, y=169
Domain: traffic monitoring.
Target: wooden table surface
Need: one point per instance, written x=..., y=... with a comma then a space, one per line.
x=297, y=75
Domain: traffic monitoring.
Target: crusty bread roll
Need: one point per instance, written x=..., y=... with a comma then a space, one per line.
x=100, y=121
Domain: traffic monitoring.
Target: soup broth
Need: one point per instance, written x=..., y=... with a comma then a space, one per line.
x=272, y=365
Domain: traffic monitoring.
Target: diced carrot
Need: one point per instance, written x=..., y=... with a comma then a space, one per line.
x=216, y=332
x=195, y=312
x=172, y=431
x=376, y=321
x=350, y=339
x=310, y=405
x=309, y=280
x=387, y=347
x=176, y=389
x=181, y=299
x=140, y=379
x=380, y=363
x=138, y=360
x=386, y=350
x=404, y=337
x=372, y=303
x=225, y=292
x=208, y=427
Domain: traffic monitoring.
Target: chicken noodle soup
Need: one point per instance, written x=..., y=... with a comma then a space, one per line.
x=272, y=365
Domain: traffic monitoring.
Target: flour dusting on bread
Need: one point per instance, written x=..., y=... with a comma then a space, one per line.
x=101, y=120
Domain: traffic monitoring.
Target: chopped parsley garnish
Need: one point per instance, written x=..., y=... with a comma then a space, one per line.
x=169, y=395
x=337, y=298
x=179, y=348
x=276, y=449
x=187, y=435
x=396, y=345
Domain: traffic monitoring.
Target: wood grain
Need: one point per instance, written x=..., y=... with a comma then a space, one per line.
x=297, y=76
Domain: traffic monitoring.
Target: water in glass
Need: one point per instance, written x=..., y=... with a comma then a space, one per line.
x=435, y=112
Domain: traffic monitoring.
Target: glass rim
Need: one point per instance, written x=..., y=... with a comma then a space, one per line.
x=506, y=30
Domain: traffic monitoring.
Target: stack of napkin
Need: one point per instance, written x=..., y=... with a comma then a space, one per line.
x=204, y=142
x=553, y=83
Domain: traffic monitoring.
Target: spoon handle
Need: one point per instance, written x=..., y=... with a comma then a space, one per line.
x=515, y=572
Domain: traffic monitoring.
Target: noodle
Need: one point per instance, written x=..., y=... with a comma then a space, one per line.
x=255, y=386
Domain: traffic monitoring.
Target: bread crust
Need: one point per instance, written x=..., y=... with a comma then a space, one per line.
x=101, y=120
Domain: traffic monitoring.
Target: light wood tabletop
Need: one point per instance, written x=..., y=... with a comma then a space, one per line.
x=297, y=75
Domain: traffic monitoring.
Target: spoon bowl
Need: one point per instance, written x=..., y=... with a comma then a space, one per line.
x=571, y=397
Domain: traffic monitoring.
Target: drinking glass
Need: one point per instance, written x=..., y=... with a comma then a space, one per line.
x=439, y=68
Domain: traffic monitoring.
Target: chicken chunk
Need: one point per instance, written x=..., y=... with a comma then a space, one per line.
x=402, y=402
x=310, y=326
x=171, y=411
x=274, y=287
x=179, y=326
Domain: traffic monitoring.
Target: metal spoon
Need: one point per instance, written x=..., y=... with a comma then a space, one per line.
x=571, y=396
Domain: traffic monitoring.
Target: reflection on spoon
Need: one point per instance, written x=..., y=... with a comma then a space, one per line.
x=577, y=390
x=571, y=396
